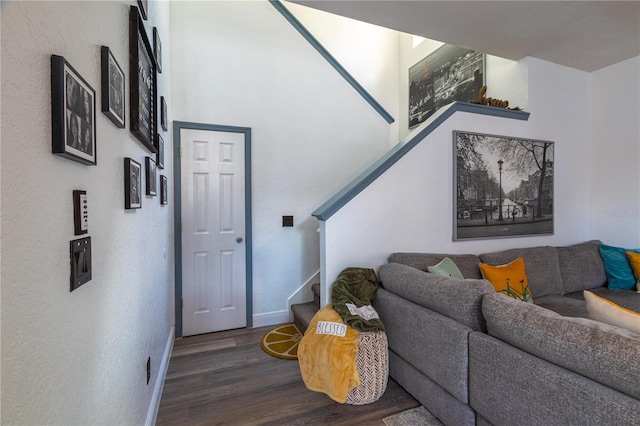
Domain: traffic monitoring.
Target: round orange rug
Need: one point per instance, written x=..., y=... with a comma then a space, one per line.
x=282, y=342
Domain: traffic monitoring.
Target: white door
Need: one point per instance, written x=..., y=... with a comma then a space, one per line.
x=213, y=226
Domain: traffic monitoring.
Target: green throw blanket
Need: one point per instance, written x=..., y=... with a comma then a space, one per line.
x=351, y=297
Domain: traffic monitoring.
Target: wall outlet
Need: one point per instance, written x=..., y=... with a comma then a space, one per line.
x=287, y=221
x=148, y=369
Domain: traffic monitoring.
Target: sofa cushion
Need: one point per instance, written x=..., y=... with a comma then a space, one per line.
x=543, y=269
x=634, y=259
x=602, y=352
x=509, y=279
x=455, y=298
x=618, y=268
x=601, y=309
x=466, y=263
x=446, y=268
x=564, y=305
x=581, y=266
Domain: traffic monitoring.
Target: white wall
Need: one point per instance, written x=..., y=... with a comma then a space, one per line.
x=415, y=196
x=369, y=53
x=615, y=127
x=77, y=357
x=243, y=64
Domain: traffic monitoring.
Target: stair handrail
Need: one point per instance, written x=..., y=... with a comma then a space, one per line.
x=335, y=203
x=331, y=60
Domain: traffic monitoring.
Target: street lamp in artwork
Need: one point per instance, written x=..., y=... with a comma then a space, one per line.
x=500, y=163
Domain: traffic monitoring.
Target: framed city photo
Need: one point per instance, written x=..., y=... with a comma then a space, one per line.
x=503, y=186
x=151, y=176
x=160, y=154
x=163, y=113
x=73, y=113
x=163, y=190
x=142, y=72
x=157, y=49
x=132, y=184
x=449, y=74
x=112, y=82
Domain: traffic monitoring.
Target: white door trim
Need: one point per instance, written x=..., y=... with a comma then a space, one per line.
x=177, y=200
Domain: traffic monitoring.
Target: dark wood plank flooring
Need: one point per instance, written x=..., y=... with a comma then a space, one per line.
x=226, y=379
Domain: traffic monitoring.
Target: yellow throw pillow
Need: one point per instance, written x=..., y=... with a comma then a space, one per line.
x=634, y=259
x=510, y=279
x=603, y=310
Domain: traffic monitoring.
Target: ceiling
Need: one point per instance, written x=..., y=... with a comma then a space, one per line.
x=586, y=35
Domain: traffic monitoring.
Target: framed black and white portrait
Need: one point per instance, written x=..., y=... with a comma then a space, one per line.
x=164, y=190
x=503, y=186
x=112, y=82
x=132, y=184
x=151, y=176
x=142, y=73
x=73, y=113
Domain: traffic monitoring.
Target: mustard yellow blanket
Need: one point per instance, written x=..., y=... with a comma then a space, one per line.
x=328, y=360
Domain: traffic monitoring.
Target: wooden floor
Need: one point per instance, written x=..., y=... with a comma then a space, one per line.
x=226, y=379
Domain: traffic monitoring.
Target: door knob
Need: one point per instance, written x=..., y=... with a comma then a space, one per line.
x=239, y=240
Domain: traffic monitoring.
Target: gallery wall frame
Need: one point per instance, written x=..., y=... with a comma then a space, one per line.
x=144, y=8
x=163, y=113
x=164, y=190
x=143, y=89
x=151, y=177
x=112, y=85
x=157, y=49
x=503, y=186
x=132, y=184
x=73, y=113
x=450, y=73
x=160, y=153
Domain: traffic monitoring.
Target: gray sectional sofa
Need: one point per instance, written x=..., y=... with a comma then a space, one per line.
x=474, y=356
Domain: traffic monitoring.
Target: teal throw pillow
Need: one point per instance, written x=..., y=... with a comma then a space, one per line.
x=446, y=268
x=617, y=267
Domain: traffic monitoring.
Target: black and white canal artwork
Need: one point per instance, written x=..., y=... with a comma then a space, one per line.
x=503, y=186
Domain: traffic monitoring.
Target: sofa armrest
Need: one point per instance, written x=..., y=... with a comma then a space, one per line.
x=455, y=298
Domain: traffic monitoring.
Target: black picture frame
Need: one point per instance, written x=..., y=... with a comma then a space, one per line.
x=160, y=153
x=144, y=8
x=112, y=84
x=163, y=114
x=451, y=73
x=157, y=49
x=73, y=113
x=151, y=179
x=143, y=89
x=503, y=186
x=164, y=190
x=132, y=184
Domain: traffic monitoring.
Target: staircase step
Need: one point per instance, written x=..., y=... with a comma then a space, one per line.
x=303, y=313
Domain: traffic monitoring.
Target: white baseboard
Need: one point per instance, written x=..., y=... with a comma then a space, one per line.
x=154, y=405
x=271, y=318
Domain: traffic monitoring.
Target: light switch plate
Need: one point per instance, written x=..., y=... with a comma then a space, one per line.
x=80, y=212
x=80, y=253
